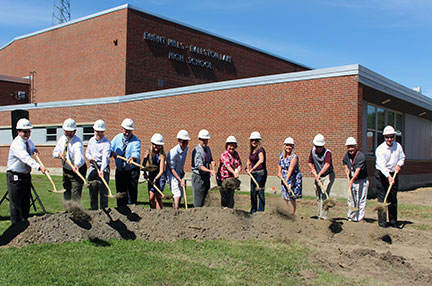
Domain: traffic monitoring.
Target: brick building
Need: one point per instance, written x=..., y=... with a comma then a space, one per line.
x=338, y=102
x=126, y=50
x=14, y=90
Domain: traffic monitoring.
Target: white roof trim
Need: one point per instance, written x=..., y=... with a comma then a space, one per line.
x=128, y=6
x=247, y=82
x=377, y=81
x=14, y=79
x=366, y=77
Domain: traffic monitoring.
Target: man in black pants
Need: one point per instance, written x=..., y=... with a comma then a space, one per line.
x=389, y=160
x=70, y=150
x=18, y=171
x=127, y=145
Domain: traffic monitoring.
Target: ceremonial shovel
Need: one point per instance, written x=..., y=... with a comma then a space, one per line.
x=258, y=188
x=382, y=206
x=160, y=192
x=216, y=187
x=110, y=195
x=353, y=207
x=286, y=185
x=49, y=176
x=184, y=195
x=93, y=183
x=150, y=168
x=328, y=203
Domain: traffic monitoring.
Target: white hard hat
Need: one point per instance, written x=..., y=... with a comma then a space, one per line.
x=183, y=135
x=231, y=139
x=204, y=134
x=128, y=124
x=319, y=140
x=99, y=125
x=289, y=140
x=157, y=139
x=23, y=123
x=69, y=125
x=255, y=135
x=350, y=141
x=389, y=131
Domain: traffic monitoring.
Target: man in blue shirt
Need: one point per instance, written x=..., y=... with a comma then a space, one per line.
x=127, y=145
x=175, y=167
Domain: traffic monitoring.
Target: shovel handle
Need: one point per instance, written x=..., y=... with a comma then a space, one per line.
x=133, y=163
x=389, y=188
x=253, y=179
x=286, y=185
x=78, y=173
x=214, y=177
x=184, y=194
x=157, y=189
x=105, y=182
x=46, y=173
x=322, y=187
x=350, y=193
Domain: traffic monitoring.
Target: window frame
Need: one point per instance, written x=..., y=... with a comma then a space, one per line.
x=377, y=137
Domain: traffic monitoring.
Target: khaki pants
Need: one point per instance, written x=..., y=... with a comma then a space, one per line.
x=327, y=183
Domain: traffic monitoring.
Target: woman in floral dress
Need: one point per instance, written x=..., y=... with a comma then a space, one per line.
x=289, y=171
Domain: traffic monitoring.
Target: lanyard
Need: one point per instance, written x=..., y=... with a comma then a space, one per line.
x=353, y=161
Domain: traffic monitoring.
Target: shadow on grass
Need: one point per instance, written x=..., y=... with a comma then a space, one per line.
x=120, y=227
x=12, y=232
x=99, y=242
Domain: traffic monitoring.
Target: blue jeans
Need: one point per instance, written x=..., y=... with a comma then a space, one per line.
x=261, y=178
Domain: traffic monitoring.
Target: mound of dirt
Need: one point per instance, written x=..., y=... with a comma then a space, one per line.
x=355, y=250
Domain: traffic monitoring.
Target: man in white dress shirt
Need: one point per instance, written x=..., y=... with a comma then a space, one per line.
x=69, y=147
x=390, y=157
x=18, y=170
x=98, y=153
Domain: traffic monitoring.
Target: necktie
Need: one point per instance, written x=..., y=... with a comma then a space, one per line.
x=125, y=143
x=65, y=152
x=28, y=147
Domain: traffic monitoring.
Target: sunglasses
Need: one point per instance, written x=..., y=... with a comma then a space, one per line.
x=389, y=137
x=26, y=131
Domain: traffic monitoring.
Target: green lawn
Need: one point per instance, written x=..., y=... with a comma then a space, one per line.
x=139, y=262
x=161, y=263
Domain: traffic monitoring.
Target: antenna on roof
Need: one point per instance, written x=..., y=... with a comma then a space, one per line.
x=61, y=12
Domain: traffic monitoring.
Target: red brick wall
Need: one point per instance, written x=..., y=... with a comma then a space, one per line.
x=151, y=59
x=75, y=62
x=9, y=91
x=298, y=109
x=81, y=60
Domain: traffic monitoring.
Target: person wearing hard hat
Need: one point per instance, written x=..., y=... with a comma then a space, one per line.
x=98, y=153
x=155, y=156
x=229, y=167
x=70, y=150
x=18, y=169
x=201, y=169
x=355, y=166
x=126, y=145
x=390, y=157
x=175, y=167
x=321, y=166
x=289, y=171
x=256, y=166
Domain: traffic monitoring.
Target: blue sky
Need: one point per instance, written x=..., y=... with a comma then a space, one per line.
x=390, y=37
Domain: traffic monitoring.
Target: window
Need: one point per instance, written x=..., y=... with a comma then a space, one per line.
x=51, y=134
x=377, y=119
x=87, y=133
